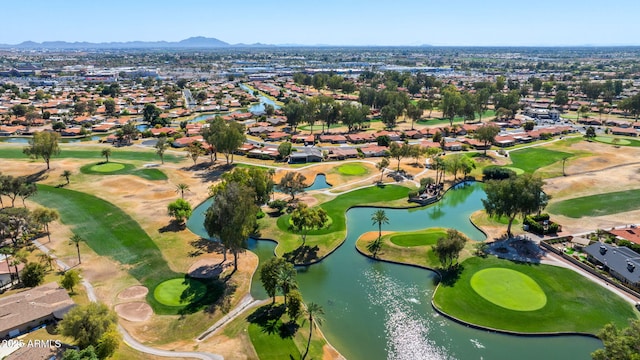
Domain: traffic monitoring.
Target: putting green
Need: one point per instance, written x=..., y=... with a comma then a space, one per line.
x=509, y=289
x=609, y=140
x=179, y=292
x=429, y=237
x=516, y=170
x=107, y=167
x=352, y=169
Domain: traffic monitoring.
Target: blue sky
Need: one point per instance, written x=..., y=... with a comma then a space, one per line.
x=331, y=22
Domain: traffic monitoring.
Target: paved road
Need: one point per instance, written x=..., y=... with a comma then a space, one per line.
x=128, y=339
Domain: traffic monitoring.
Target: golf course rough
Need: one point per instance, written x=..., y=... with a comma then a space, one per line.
x=509, y=289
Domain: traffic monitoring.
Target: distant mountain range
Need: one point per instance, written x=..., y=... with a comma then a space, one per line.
x=192, y=42
x=197, y=42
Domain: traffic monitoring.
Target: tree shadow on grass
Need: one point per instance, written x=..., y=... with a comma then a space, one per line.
x=302, y=255
x=173, y=226
x=451, y=276
x=37, y=176
x=215, y=294
x=202, y=246
x=268, y=318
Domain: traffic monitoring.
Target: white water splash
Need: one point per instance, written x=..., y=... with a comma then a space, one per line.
x=477, y=344
x=407, y=332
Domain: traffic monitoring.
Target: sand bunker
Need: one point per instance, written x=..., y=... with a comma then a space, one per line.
x=134, y=311
x=133, y=292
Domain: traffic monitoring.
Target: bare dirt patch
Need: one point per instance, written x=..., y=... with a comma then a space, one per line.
x=133, y=292
x=136, y=311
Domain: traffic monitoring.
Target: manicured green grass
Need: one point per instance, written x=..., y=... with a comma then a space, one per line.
x=516, y=170
x=274, y=337
x=14, y=152
x=509, y=289
x=111, y=232
x=271, y=345
x=598, y=205
x=417, y=252
x=532, y=159
x=107, y=167
x=337, y=207
x=352, y=169
x=324, y=240
x=179, y=291
x=609, y=140
x=626, y=141
x=574, y=303
x=113, y=168
x=425, y=237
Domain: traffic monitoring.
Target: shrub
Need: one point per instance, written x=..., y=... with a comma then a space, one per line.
x=33, y=274
x=278, y=205
x=413, y=194
x=260, y=214
x=536, y=227
x=497, y=173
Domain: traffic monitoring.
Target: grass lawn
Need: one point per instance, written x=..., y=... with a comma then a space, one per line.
x=622, y=141
x=426, y=237
x=516, y=170
x=321, y=242
x=14, y=152
x=532, y=159
x=110, y=232
x=509, y=289
x=597, y=205
x=114, y=168
x=352, y=169
x=274, y=337
x=179, y=291
x=421, y=253
x=610, y=140
x=574, y=303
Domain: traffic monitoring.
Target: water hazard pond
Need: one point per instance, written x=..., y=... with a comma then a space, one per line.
x=377, y=310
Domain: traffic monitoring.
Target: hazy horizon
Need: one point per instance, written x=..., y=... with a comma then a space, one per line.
x=545, y=23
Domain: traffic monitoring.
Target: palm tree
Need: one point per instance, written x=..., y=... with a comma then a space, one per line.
x=106, y=152
x=315, y=312
x=76, y=239
x=378, y=217
x=287, y=281
x=66, y=174
x=47, y=258
x=19, y=256
x=181, y=188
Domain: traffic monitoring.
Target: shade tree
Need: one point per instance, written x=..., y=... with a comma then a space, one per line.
x=44, y=144
x=305, y=219
x=291, y=184
x=232, y=217
x=448, y=247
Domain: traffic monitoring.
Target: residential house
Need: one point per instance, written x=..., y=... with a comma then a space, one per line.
x=305, y=155
x=374, y=150
x=621, y=262
x=7, y=272
x=342, y=153
x=624, y=131
x=631, y=234
x=29, y=309
x=334, y=139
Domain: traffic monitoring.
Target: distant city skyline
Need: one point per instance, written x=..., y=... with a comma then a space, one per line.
x=328, y=22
